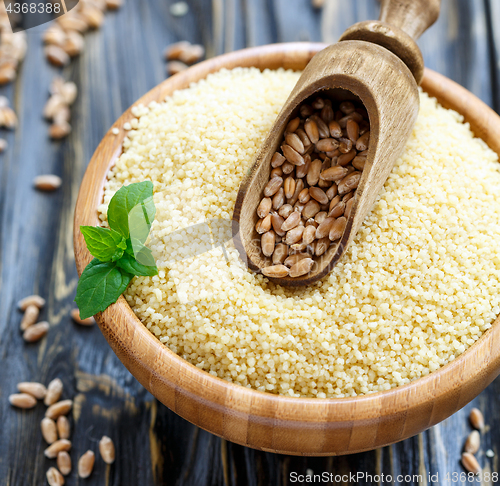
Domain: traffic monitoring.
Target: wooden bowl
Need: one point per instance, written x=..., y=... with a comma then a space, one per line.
x=301, y=426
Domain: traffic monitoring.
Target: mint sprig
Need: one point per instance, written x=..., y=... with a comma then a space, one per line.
x=103, y=243
x=131, y=265
x=119, y=251
x=100, y=286
x=126, y=201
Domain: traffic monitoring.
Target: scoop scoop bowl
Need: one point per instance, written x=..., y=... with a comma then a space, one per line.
x=377, y=64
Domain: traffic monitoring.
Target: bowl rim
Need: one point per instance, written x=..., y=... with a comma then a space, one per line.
x=183, y=387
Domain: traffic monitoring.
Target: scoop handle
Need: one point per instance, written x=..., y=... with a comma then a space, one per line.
x=401, y=24
x=411, y=16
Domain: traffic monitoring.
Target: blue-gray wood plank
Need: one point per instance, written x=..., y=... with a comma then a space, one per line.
x=122, y=61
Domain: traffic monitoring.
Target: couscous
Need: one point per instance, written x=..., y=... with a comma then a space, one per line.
x=417, y=287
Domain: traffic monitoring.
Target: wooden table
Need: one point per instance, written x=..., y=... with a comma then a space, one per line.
x=122, y=61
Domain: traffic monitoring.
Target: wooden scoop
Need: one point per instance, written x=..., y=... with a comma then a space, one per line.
x=377, y=63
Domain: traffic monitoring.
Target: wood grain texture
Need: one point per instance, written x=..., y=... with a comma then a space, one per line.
x=121, y=62
x=412, y=16
x=262, y=420
x=401, y=23
x=392, y=38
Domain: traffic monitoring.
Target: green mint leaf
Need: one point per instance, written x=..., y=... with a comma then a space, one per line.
x=129, y=249
x=125, y=199
x=103, y=243
x=140, y=219
x=131, y=265
x=141, y=253
x=100, y=285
